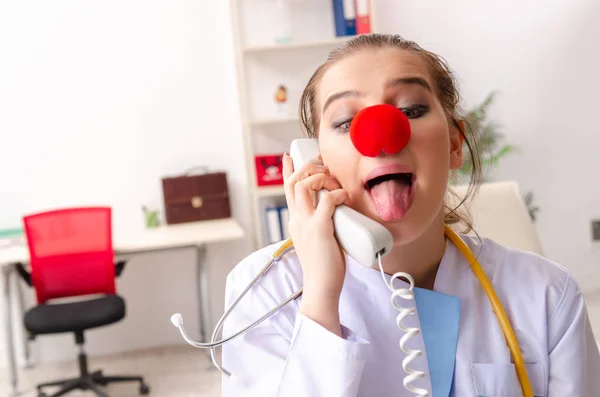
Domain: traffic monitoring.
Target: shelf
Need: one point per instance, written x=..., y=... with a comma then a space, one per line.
x=270, y=191
x=274, y=121
x=261, y=63
x=298, y=45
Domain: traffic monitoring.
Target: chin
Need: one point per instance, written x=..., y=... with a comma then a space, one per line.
x=416, y=224
x=405, y=232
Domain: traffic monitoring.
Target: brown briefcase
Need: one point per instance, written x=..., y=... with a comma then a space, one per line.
x=191, y=198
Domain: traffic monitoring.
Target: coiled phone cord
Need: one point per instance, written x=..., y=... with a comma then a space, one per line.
x=411, y=354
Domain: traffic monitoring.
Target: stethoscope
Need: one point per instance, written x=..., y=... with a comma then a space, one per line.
x=287, y=246
x=391, y=135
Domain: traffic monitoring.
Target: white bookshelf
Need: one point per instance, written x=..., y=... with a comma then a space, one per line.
x=269, y=191
x=261, y=65
x=296, y=46
x=274, y=121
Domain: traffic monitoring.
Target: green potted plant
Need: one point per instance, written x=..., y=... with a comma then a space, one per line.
x=491, y=143
x=150, y=217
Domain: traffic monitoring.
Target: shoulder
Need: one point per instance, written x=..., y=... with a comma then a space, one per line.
x=276, y=284
x=282, y=278
x=522, y=273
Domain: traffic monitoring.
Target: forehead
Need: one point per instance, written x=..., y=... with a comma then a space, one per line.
x=371, y=68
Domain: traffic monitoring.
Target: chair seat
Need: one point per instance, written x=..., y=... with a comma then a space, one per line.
x=75, y=316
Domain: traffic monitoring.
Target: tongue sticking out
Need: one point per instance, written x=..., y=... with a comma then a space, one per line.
x=391, y=199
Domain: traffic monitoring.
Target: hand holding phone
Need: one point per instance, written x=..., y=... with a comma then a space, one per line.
x=312, y=231
x=360, y=236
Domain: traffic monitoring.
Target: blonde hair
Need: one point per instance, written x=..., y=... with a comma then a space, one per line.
x=445, y=87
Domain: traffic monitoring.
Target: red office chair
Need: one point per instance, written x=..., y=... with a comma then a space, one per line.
x=72, y=255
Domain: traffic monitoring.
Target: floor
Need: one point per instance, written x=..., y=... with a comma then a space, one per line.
x=170, y=371
x=180, y=371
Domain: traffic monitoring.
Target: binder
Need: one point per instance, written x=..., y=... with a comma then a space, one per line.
x=274, y=234
x=277, y=220
x=363, y=16
x=344, y=14
x=284, y=216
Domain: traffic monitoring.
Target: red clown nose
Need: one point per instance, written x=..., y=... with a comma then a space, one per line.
x=380, y=128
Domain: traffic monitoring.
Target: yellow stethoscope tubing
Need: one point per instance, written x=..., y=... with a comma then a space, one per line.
x=509, y=334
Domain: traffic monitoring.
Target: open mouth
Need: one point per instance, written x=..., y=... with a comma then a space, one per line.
x=391, y=194
x=406, y=179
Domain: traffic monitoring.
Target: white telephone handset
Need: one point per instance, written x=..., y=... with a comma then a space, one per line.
x=358, y=235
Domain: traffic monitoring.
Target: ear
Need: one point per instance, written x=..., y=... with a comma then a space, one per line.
x=456, y=143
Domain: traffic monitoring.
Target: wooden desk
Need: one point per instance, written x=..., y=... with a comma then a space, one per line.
x=127, y=243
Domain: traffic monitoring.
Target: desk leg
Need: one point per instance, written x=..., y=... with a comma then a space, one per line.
x=8, y=329
x=24, y=340
x=203, y=294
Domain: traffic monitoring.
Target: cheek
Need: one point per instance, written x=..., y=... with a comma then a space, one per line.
x=340, y=156
x=430, y=146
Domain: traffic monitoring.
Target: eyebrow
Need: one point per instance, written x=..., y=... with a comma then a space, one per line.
x=409, y=81
x=393, y=83
x=339, y=95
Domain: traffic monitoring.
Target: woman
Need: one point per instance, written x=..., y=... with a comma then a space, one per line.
x=340, y=338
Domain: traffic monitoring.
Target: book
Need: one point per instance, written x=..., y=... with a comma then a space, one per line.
x=363, y=16
x=284, y=216
x=273, y=223
x=344, y=15
x=277, y=221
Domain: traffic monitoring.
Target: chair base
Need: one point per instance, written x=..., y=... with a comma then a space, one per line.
x=93, y=382
x=88, y=381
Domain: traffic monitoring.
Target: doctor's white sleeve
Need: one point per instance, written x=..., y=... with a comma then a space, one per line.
x=574, y=358
x=287, y=355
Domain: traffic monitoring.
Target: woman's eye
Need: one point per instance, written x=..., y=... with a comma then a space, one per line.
x=412, y=112
x=416, y=111
x=343, y=125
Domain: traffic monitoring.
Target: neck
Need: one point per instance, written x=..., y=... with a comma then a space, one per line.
x=419, y=258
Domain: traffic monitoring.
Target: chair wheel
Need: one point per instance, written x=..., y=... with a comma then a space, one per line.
x=144, y=389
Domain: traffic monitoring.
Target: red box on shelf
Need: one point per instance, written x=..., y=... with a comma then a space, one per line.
x=269, y=169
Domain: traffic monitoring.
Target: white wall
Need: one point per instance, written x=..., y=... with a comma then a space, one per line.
x=542, y=56
x=98, y=101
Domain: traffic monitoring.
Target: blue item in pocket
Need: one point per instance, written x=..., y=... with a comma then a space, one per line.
x=439, y=315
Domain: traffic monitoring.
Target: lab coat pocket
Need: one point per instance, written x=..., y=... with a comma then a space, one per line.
x=501, y=380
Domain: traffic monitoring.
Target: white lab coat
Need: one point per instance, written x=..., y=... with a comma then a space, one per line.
x=288, y=355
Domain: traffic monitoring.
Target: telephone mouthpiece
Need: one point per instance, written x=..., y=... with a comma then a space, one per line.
x=177, y=320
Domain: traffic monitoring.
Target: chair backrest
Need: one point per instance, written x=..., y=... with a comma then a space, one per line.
x=499, y=213
x=71, y=252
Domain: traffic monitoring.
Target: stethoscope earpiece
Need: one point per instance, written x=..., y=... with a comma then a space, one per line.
x=177, y=320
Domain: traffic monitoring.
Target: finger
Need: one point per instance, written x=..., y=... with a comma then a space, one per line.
x=288, y=186
x=305, y=189
x=329, y=201
x=288, y=166
x=313, y=169
x=303, y=173
x=292, y=176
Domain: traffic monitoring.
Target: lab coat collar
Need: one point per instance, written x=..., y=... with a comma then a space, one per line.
x=452, y=267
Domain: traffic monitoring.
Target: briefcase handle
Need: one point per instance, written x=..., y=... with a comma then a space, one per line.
x=190, y=171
